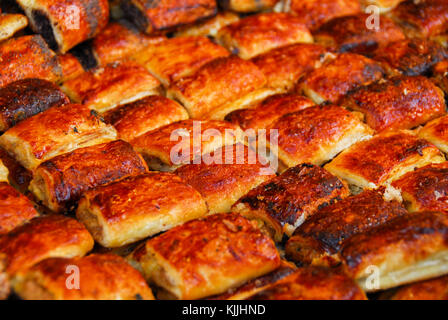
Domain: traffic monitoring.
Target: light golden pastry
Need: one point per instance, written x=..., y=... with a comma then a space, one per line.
x=436, y=132
x=209, y=27
x=383, y=5
x=434, y=289
x=4, y=172
x=247, y=5
x=4, y=279
x=70, y=65
x=10, y=24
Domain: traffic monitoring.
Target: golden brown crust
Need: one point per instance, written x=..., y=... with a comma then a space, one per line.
x=22, y=99
x=136, y=118
x=435, y=289
x=138, y=207
x=209, y=27
x=339, y=76
x=286, y=201
x=318, y=240
x=27, y=57
x=4, y=172
x=247, y=5
x=207, y=257
x=4, y=279
x=70, y=65
x=400, y=102
x=10, y=24
x=102, y=277
x=436, y=132
x=260, y=33
x=18, y=176
x=42, y=238
x=440, y=73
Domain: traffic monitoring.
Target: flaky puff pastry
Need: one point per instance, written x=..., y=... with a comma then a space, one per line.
x=94, y=277
x=319, y=239
x=434, y=289
x=216, y=83
x=28, y=57
x=137, y=207
x=260, y=33
x=183, y=142
x=42, y=238
x=247, y=6
x=209, y=27
x=104, y=88
x=383, y=159
x=226, y=175
x=400, y=102
x=59, y=182
x=283, y=203
x=313, y=283
x=4, y=172
x=70, y=65
x=436, y=132
x=55, y=131
x=10, y=24
x=425, y=188
x=18, y=176
x=315, y=134
x=409, y=248
x=206, y=257
x=136, y=118
x=66, y=23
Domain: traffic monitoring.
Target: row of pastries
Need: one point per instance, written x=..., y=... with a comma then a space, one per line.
x=102, y=172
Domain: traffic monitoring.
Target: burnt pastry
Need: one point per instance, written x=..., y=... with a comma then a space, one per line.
x=422, y=18
x=42, y=238
x=383, y=5
x=176, y=58
x=10, y=24
x=55, y=131
x=22, y=99
x=313, y=283
x=406, y=249
x=440, y=75
x=149, y=16
x=102, y=89
x=138, y=207
x=209, y=27
x=4, y=172
x=315, y=134
x=15, y=209
x=226, y=175
x=383, y=159
x=436, y=132
x=183, y=142
x=247, y=5
x=337, y=77
x=206, y=257
x=103, y=277
x=400, y=102
x=433, y=289
x=426, y=188
x=285, y=202
x=216, y=85
x=285, y=65
x=4, y=279
x=319, y=239
x=70, y=65
x=28, y=57
x=59, y=182
x=64, y=24
x=349, y=33
x=262, y=32
x=136, y=118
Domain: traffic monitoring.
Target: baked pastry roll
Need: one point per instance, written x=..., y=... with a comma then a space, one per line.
x=27, y=57
x=434, y=289
x=55, y=131
x=3, y=172
x=10, y=24
x=319, y=239
x=425, y=188
x=410, y=57
x=64, y=24
x=262, y=32
x=263, y=114
x=209, y=27
x=315, y=134
x=136, y=118
x=247, y=6
x=400, y=102
x=176, y=58
x=226, y=175
x=149, y=16
x=103, y=89
x=206, y=257
x=15, y=208
x=383, y=159
x=18, y=176
x=436, y=132
x=183, y=142
x=285, y=65
x=137, y=207
x=216, y=83
x=70, y=65
x=102, y=277
x=406, y=249
x=42, y=238
x=337, y=77
x=383, y=5
x=59, y=182
x=22, y=99
x=349, y=33
x=313, y=283
x=422, y=18
x=285, y=202
x=440, y=73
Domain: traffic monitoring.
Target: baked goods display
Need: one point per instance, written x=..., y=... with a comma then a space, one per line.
x=223, y=149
